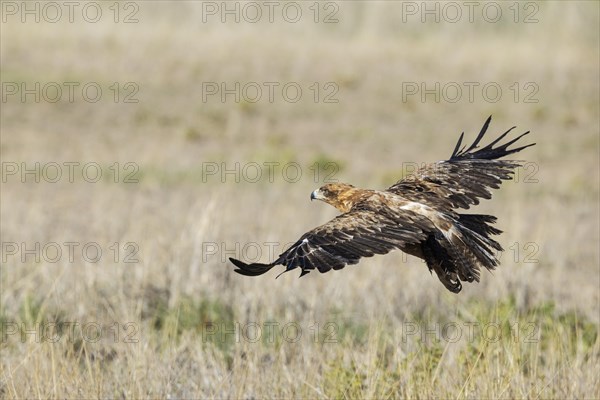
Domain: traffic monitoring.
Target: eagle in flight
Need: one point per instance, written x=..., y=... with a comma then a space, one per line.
x=417, y=215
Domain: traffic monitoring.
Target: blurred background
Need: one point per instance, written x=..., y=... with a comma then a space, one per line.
x=144, y=143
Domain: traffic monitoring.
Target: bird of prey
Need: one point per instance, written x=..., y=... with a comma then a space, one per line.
x=417, y=215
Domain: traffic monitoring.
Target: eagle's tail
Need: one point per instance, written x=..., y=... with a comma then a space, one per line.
x=458, y=254
x=476, y=230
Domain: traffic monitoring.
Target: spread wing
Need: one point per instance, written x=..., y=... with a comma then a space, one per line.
x=467, y=176
x=346, y=239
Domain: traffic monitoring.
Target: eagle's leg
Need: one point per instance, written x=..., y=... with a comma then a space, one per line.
x=438, y=260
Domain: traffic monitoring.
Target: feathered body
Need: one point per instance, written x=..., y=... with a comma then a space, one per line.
x=417, y=215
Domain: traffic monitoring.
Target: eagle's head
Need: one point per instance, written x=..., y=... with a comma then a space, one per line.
x=340, y=195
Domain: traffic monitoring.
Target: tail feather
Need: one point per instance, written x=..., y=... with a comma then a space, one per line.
x=460, y=253
x=476, y=231
x=479, y=223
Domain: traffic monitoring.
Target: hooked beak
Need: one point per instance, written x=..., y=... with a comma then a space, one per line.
x=315, y=195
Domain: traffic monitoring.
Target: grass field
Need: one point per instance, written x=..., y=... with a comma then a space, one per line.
x=144, y=145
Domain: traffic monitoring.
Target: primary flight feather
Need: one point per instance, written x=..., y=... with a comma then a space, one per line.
x=416, y=215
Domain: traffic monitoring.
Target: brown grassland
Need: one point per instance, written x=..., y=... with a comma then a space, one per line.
x=160, y=312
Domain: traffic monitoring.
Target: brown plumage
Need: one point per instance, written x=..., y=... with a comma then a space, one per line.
x=416, y=215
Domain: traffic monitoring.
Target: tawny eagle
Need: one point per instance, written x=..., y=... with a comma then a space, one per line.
x=416, y=215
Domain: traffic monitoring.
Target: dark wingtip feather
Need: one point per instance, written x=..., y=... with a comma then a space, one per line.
x=520, y=148
x=457, y=149
x=489, y=152
x=254, y=269
x=515, y=139
x=501, y=137
x=480, y=135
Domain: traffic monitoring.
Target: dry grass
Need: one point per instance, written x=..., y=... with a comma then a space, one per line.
x=179, y=323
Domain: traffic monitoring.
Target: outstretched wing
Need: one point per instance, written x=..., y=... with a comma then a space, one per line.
x=467, y=176
x=346, y=239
